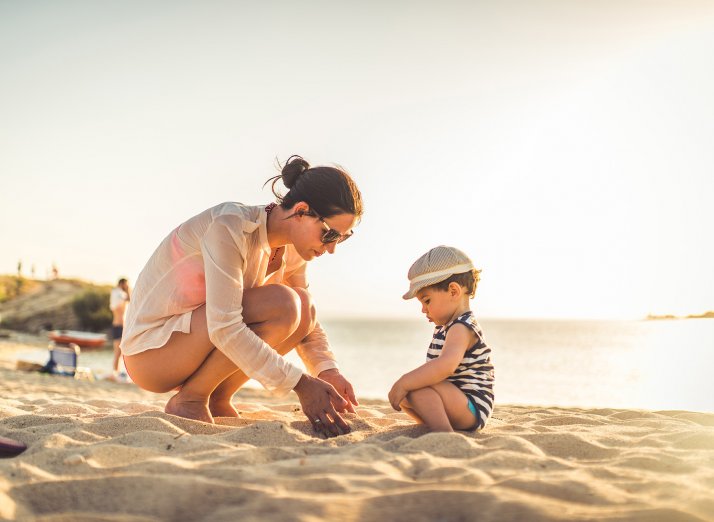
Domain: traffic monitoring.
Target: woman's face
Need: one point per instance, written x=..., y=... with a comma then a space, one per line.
x=308, y=232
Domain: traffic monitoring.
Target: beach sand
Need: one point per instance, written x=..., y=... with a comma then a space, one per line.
x=107, y=451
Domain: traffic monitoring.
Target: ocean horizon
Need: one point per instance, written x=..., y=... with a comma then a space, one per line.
x=654, y=365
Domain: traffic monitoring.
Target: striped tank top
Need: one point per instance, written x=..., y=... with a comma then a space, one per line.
x=474, y=376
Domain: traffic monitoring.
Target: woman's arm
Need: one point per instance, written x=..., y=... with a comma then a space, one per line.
x=223, y=250
x=314, y=349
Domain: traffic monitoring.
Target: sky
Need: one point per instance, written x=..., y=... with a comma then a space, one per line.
x=566, y=146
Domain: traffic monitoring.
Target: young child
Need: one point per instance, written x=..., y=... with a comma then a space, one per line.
x=453, y=390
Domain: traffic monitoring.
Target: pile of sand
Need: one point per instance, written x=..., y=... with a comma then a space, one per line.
x=105, y=451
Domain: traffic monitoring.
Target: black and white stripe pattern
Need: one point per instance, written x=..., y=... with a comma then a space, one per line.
x=474, y=376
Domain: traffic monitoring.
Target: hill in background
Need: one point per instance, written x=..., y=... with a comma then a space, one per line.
x=30, y=305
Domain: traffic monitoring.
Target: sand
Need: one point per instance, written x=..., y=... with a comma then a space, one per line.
x=107, y=451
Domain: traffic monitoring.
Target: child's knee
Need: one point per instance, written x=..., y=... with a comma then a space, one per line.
x=414, y=395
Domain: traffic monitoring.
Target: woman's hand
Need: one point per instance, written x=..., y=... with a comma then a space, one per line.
x=320, y=402
x=343, y=387
x=397, y=395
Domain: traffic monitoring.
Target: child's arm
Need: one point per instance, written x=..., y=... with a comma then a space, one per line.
x=458, y=339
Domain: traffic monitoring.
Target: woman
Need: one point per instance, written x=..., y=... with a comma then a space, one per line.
x=224, y=297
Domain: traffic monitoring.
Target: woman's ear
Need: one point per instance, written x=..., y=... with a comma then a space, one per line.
x=301, y=209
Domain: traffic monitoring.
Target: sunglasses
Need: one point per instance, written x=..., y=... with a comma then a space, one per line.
x=330, y=235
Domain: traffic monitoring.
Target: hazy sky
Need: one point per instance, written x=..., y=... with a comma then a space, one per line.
x=567, y=146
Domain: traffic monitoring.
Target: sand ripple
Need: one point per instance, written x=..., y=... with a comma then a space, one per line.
x=108, y=452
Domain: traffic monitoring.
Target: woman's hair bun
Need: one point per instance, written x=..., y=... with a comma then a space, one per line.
x=292, y=169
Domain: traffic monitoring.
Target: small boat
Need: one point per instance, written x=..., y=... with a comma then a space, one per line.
x=81, y=339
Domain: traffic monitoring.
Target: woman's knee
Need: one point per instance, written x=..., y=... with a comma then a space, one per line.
x=307, y=312
x=287, y=307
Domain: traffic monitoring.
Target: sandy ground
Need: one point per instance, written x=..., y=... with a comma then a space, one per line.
x=106, y=451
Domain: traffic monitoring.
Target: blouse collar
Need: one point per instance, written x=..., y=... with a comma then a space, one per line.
x=263, y=229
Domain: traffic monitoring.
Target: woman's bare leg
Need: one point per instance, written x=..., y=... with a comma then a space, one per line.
x=191, y=361
x=220, y=403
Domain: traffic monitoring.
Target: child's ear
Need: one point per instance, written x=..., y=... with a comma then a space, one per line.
x=454, y=289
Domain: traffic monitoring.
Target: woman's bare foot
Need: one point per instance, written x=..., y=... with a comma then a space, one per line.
x=222, y=408
x=188, y=408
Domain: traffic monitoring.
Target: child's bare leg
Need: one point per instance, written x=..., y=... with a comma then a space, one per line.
x=426, y=403
x=456, y=405
x=191, y=361
x=220, y=403
x=406, y=408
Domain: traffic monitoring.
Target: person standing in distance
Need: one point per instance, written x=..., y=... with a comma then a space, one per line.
x=118, y=301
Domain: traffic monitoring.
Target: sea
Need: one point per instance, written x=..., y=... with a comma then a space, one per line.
x=655, y=365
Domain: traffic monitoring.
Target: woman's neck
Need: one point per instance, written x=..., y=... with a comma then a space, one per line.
x=278, y=227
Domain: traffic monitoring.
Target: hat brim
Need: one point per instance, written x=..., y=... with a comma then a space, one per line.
x=415, y=287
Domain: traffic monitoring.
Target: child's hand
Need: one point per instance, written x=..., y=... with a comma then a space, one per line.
x=397, y=395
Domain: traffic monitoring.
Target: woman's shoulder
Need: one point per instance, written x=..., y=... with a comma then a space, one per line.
x=240, y=210
x=237, y=216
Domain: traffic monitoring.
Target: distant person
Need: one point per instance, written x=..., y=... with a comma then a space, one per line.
x=224, y=297
x=118, y=300
x=453, y=390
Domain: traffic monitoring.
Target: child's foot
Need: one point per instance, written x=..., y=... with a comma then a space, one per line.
x=189, y=409
x=222, y=408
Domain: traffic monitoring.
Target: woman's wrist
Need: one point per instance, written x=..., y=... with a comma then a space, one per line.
x=302, y=382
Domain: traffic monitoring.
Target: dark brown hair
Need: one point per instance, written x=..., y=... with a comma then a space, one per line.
x=469, y=280
x=328, y=190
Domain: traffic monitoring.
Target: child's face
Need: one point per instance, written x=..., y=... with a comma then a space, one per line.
x=438, y=305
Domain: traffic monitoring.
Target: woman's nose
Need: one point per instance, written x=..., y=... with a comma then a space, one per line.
x=330, y=247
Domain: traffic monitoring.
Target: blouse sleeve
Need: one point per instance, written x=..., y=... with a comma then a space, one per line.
x=224, y=252
x=314, y=350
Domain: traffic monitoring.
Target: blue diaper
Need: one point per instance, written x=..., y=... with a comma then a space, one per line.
x=472, y=409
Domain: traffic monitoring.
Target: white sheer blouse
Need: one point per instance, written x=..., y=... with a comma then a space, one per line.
x=210, y=259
